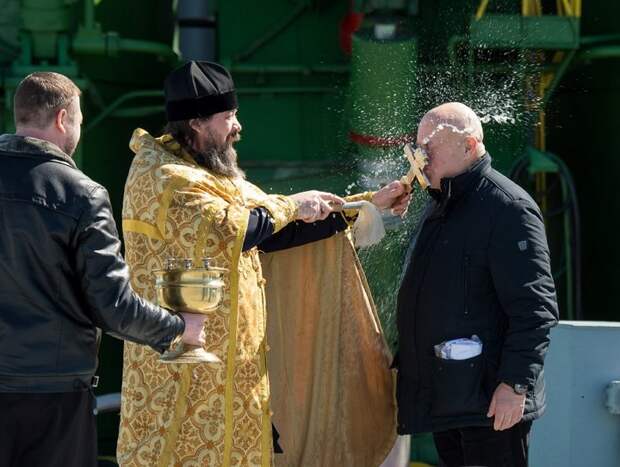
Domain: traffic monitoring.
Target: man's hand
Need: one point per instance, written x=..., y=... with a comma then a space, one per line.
x=194, y=333
x=315, y=205
x=392, y=196
x=507, y=407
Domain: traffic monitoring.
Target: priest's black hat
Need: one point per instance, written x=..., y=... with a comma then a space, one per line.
x=198, y=89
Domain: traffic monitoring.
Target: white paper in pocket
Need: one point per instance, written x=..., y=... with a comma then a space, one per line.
x=459, y=349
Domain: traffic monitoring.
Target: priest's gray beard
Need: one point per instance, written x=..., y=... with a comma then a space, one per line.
x=219, y=159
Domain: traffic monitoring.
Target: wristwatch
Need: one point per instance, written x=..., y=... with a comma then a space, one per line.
x=177, y=339
x=174, y=342
x=520, y=389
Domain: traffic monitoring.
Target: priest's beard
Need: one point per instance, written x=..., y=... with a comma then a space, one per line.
x=220, y=159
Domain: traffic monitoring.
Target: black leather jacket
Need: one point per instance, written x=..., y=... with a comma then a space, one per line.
x=61, y=273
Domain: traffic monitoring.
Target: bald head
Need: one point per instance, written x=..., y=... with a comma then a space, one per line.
x=457, y=117
x=452, y=136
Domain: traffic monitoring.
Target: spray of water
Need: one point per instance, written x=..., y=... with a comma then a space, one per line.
x=499, y=102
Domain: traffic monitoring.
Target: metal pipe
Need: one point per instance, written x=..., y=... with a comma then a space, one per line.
x=289, y=69
x=147, y=47
x=588, y=40
x=118, y=102
x=111, y=44
x=196, y=25
x=139, y=111
x=89, y=14
x=601, y=51
x=113, y=110
x=289, y=90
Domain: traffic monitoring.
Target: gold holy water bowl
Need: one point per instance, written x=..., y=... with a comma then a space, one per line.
x=183, y=287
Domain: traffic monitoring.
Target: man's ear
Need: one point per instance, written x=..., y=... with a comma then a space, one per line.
x=470, y=145
x=194, y=124
x=60, y=120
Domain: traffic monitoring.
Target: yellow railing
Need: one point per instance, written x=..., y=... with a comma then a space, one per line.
x=534, y=8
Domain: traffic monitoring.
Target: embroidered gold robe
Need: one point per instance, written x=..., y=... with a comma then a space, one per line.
x=220, y=414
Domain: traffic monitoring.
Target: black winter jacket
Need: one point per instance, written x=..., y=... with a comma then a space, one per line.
x=480, y=266
x=61, y=273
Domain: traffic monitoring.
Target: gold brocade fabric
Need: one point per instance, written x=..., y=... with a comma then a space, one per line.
x=220, y=414
x=210, y=414
x=332, y=390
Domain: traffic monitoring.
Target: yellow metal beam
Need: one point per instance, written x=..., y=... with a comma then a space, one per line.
x=482, y=8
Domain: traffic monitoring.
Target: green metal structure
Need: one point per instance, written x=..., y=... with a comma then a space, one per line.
x=330, y=90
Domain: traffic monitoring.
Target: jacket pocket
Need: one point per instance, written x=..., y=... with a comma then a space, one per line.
x=458, y=387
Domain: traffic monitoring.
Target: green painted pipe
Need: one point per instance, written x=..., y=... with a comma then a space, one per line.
x=89, y=14
x=120, y=101
x=111, y=44
x=147, y=47
x=589, y=40
x=598, y=52
x=115, y=110
x=134, y=112
x=289, y=69
x=288, y=90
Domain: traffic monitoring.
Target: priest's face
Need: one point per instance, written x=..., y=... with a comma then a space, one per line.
x=221, y=130
x=214, y=138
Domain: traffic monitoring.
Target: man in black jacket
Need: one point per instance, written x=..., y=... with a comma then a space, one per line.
x=479, y=267
x=62, y=277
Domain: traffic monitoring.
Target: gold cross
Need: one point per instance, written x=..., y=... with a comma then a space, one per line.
x=417, y=160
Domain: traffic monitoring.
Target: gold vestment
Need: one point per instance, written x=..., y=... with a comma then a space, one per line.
x=330, y=373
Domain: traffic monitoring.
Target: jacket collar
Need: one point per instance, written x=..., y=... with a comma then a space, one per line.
x=33, y=146
x=454, y=188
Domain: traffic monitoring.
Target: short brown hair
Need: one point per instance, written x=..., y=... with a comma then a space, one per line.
x=40, y=96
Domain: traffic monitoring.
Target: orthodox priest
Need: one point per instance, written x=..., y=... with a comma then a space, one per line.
x=186, y=197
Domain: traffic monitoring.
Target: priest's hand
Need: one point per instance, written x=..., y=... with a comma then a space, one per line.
x=315, y=205
x=194, y=333
x=507, y=407
x=393, y=196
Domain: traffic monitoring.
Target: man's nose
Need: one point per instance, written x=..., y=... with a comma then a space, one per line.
x=237, y=125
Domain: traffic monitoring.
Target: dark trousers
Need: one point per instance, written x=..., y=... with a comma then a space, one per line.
x=48, y=430
x=483, y=446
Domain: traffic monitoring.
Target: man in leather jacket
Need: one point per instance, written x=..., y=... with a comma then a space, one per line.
x=62, y=277
x=480, y=267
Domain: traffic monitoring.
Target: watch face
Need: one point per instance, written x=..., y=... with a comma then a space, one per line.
x=520, y=388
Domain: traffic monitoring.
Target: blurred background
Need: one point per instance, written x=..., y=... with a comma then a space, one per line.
x=329, y=92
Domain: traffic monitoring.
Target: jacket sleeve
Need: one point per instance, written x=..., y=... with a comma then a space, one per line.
x=104, y=279
x=260, y=227
x=521, y=271
x=300, y=233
